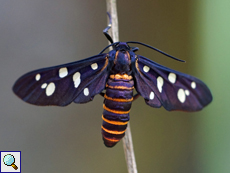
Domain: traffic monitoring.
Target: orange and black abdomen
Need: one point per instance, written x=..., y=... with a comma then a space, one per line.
x=117, y=104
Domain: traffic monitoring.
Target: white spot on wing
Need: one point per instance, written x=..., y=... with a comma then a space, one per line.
x=38, y=77
x=94, y=66
x=193, y=85
x=63, y=72
x=181, y=95
x=86, y=91
x=146, y=69
x=172, y=77
x=187, y=92
x=50, y=89
x=151, y=95
x=160, y=83
x=44, y=86
x=76, y=79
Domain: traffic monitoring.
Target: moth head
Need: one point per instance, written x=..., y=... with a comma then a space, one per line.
x=122, y=46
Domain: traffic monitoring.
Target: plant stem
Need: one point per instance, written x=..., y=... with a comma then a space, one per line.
x=112, y=9
x=127, y=140
x=129, y=151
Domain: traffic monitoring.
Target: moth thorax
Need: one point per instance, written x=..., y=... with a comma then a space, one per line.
x=122, y=62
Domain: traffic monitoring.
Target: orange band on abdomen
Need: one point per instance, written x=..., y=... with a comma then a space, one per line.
x=118, y=99
x=113, y=132
x=115, y=111
x=111, y=140
x=120, y=76
x=114, y=122
x=120, y=87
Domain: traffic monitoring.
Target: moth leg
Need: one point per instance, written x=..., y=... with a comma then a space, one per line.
x=136, y=96
x=105, y=31
x=102, y=94
x=134, y=49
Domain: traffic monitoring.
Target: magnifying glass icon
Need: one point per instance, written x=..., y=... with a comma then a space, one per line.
x=9, y=160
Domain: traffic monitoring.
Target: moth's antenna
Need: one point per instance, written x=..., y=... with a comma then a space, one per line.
x=143, y=44
x=108, y=47
x=105, y=31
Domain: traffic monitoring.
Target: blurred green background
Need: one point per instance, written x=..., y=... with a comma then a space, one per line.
x=36, y=34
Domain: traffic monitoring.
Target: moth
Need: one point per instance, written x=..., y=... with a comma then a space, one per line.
x=118, y=72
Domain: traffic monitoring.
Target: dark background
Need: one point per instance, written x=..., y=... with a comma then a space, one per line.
x=36, y=34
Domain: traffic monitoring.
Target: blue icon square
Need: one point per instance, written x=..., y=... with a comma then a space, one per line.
x=10, y=161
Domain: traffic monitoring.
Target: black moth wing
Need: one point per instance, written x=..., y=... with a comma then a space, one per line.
x=78, y=81
x=162, y=86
